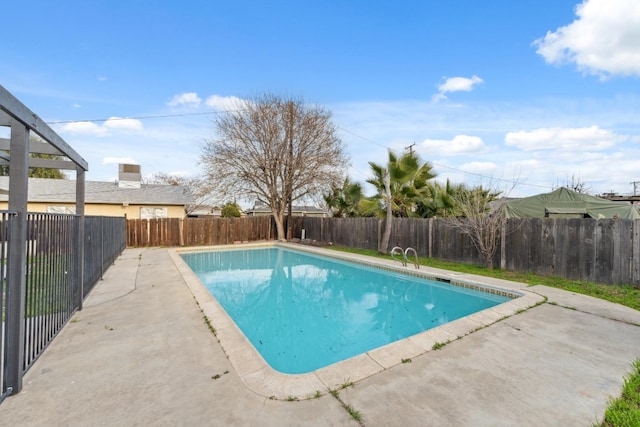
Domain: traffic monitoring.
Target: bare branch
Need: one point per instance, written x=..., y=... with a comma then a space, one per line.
x=481, y=217
x=275, y=150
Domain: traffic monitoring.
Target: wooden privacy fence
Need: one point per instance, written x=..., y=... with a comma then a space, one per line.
x=199, y=231
x=605, y=251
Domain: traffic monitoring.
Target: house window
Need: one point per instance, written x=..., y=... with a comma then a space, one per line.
x=152, y=213
x=67, y=210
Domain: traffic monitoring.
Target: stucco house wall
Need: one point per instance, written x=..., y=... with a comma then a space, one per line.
x=104, y=198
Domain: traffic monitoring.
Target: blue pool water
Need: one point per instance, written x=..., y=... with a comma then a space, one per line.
x=303, y=312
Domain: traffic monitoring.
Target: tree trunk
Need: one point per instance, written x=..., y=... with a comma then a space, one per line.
x=281, y=233
x=384, y=243
x=289, y=217
x=489, y=261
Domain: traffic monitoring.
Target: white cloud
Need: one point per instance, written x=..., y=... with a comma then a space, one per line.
x=118, y=160
x=120, y=123
x=223, y=102
x=91, y=128
x=83, y=128
x=456, y=84
x=189, y=99
x=603, y=40
x=482, y=168
x=564, y=139
x=460, y=144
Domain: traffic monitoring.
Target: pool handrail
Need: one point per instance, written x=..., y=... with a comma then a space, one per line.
x=415, y=254
x=401, y=252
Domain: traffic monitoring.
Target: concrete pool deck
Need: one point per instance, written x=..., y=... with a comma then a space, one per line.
x=140, y=353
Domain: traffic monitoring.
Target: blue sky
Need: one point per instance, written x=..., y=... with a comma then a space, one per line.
x=491, y=92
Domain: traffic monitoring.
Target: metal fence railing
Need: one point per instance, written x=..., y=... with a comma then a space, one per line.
x=49, y=293
x=5, y=233
x=104, y=239
x=51, y=288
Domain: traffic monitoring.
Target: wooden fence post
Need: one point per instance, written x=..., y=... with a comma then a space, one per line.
x=430, y=237
x=503, y=244
x=635, y=252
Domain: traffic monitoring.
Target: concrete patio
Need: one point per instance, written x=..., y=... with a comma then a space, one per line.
x=141, y=353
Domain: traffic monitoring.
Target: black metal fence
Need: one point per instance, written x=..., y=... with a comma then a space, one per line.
x=5, y=236
x=51, y=276
x=104, y=239
x=49, y=293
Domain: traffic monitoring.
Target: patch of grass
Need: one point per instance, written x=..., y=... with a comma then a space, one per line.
x=621, y=294
x=209, y=325
x=45, y=290
x=408, y=360
x=292, y=399
x=218, y=376
x=356, y=415
x=346, y=384
x=439, y=345
x=625, y=410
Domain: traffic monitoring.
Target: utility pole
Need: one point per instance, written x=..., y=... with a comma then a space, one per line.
x=635, y=187
x=410, y=148
x=289, y=172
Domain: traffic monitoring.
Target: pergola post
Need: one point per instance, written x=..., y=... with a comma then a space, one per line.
x=15, y=153
x=17, y=259
x=79, y=265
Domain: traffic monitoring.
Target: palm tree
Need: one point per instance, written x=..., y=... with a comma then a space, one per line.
x=344, y=201
x=441, y=201
x=400, y=186
x=408, y=185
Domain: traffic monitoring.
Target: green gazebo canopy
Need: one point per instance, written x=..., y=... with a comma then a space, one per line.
x=564, y=203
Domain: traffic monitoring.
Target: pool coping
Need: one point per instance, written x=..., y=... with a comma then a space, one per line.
x=259, y=377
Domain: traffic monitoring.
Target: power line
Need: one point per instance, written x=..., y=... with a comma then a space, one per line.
x=448, y=167
x=163, y=116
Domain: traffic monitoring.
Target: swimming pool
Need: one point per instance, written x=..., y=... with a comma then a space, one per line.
x=303, y=311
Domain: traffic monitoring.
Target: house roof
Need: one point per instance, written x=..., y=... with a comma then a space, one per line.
x=565, y=201
x=203, y=210
x=294, y=208
x=64, y=191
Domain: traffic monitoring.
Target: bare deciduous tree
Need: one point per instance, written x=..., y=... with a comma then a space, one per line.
x=576, y=184
x=200, y=189
x=481, y=216
x=275, y=150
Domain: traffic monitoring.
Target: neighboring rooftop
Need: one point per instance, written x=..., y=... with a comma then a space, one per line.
x=296, y=210
x=99, y=192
